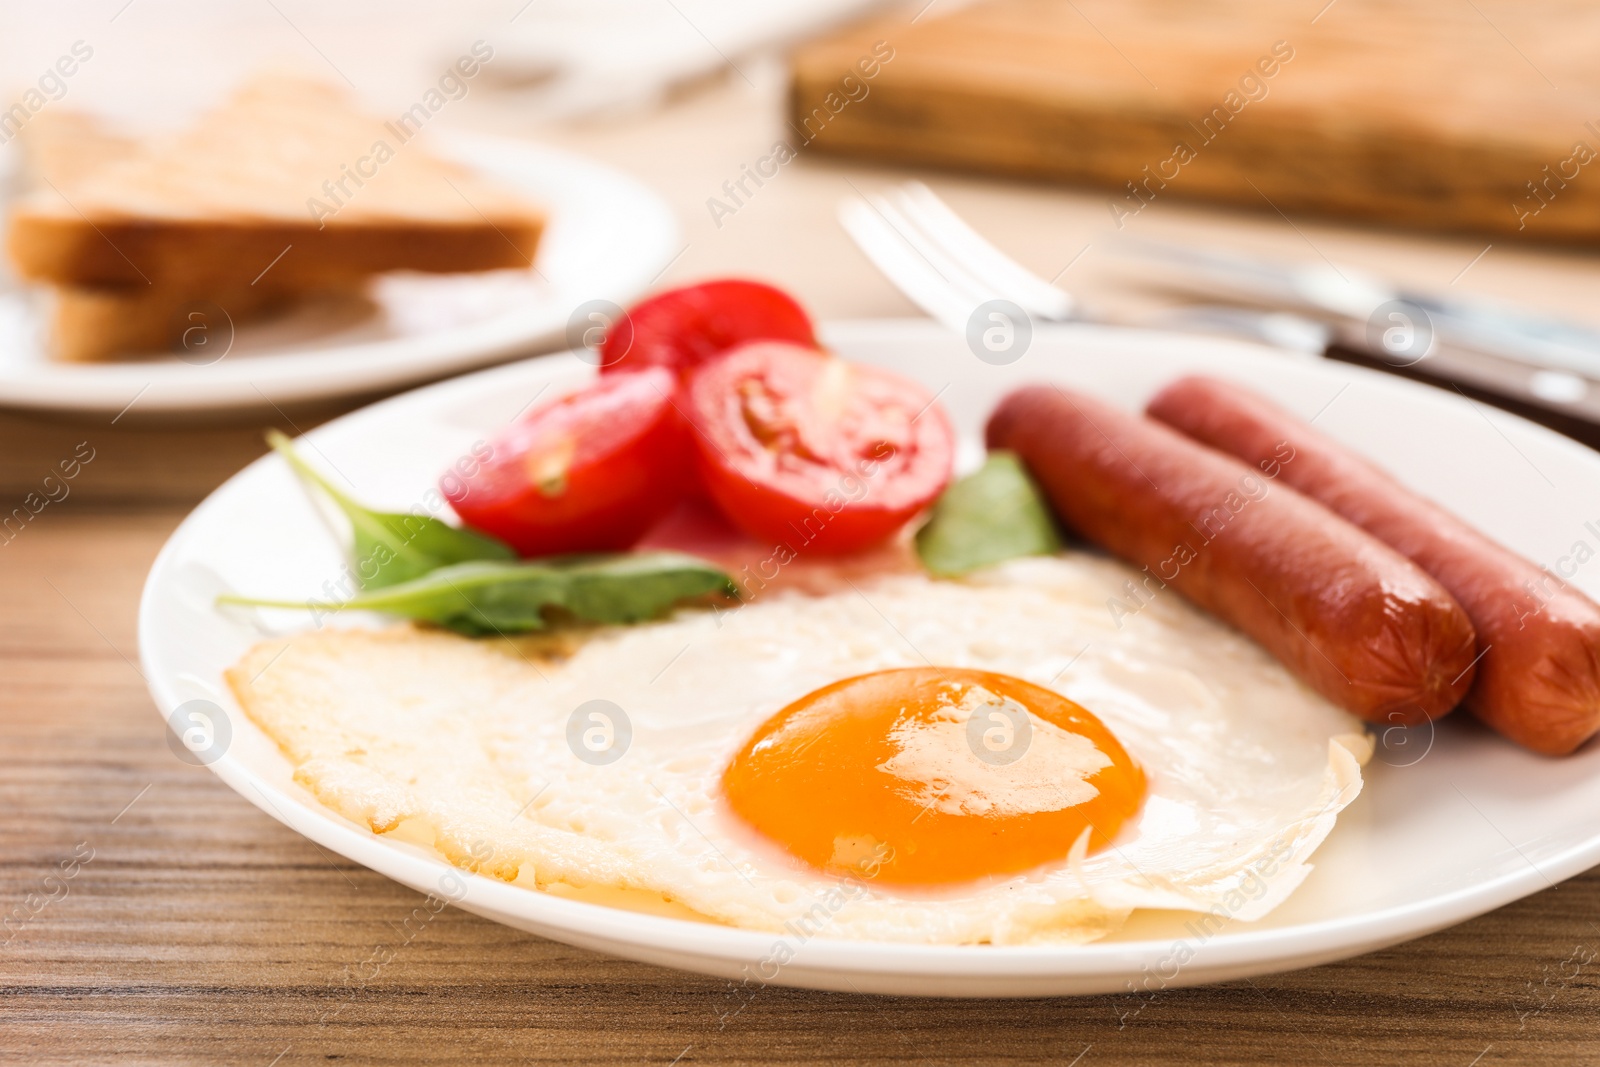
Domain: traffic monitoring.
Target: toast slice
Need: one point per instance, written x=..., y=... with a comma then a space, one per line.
x=93, y=323
x=60, y=150
x=286, y=176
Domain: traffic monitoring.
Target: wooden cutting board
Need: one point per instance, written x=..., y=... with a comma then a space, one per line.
x=1448, y=114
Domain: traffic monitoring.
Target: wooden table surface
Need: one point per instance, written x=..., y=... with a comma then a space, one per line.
x=198, y=930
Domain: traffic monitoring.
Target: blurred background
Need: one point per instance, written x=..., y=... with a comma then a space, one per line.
x=1426, y=147
x=1424, y=126
x=158, y=61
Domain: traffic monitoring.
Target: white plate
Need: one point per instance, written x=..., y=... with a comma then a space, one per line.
x=608, y=238
x=1449, y=826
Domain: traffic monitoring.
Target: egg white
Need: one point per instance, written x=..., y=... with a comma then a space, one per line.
x=466, y=742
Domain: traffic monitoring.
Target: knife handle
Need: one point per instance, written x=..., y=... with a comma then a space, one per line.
x=1516, y=387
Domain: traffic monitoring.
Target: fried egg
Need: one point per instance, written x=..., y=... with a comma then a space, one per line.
x=1000, y=759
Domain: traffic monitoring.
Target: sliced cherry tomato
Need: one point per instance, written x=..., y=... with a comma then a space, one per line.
x=800, y=447
x=589, y=472
x=682, y=328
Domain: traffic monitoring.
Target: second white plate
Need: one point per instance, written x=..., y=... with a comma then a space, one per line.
x=609, y=237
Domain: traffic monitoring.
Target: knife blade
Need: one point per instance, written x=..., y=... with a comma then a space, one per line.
x=1354, y=296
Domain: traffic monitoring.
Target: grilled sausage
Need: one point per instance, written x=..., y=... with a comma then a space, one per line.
x=1538, y=678
x=1351, y=617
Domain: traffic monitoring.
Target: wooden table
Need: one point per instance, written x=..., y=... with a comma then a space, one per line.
x=201, y=931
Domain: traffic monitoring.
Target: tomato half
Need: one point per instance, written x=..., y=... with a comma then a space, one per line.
x=587, y=473
x=682, y=328
x=800, y=447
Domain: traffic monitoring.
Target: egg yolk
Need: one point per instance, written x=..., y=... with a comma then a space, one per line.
x=933, y=775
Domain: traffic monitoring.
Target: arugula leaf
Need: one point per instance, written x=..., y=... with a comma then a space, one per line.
x=487, y=596
x=994, y=514
x=391, y=547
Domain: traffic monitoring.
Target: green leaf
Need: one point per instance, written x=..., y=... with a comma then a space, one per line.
x=485, y=597
x=994, y=514
x=391, y=547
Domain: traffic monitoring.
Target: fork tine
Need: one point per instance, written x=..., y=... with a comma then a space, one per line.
x=939, y=258
x=998, y=271
x=901, y=264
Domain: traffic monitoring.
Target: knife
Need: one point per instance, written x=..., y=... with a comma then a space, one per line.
x=1348, y=293
x=1540, y=367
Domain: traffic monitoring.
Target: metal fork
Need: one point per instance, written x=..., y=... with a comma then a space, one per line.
x=943, y=265
x=949, y=270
